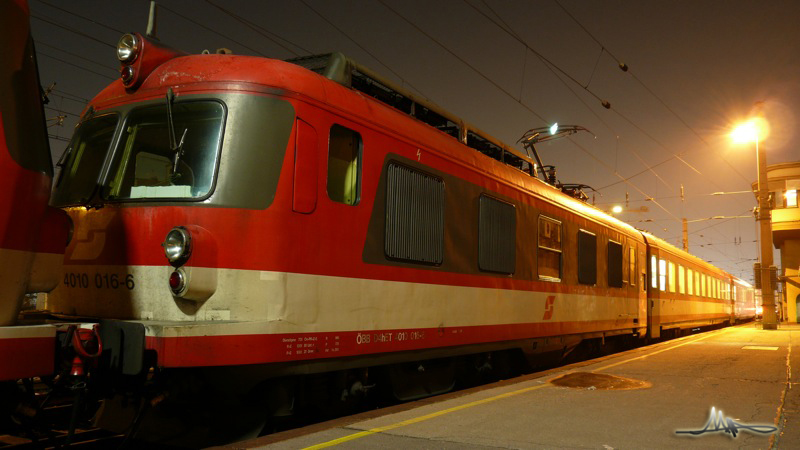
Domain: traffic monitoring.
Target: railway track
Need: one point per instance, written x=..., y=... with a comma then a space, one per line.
x=47, y=427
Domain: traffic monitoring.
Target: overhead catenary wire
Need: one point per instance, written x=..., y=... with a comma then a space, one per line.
x=560, y=72
x=507, y=93
x=575, y=81
x=375, y=57
x=72, y=13
x=648, y=89
x=462, y=60
x=40, y=53
x=70, y=95
x=487, y=78
x=58, y=138
x=260, y=30
x=611, y=170
x=61, y=111
x=73, y=55
x=511, y=31
x=61, y=96
x=648, y=167
x=72, y=30
x=190, y=20
x=541, y=56
x=677, y=196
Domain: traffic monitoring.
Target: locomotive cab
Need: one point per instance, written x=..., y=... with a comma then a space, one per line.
x=155, y=153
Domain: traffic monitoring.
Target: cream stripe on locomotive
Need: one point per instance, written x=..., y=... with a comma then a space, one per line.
x=14, y=270
x=291, y=302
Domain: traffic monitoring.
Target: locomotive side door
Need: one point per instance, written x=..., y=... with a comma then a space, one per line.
x=306, y=156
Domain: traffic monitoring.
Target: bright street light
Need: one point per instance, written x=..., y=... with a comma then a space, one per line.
x=751, y=131
x=616, y=209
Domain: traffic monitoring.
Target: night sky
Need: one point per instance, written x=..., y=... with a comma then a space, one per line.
x=695, y=68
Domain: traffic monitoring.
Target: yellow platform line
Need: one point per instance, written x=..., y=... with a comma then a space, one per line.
x=426, y=417
x=433, y=415
x=692, y=341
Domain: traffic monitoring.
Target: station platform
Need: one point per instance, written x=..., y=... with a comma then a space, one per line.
x=650, y=397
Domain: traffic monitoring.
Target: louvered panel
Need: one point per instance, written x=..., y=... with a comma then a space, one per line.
x=414, y=215
x=497, y=237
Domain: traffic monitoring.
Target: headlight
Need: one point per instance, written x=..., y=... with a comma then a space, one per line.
x=127, y=48
x=177, y=246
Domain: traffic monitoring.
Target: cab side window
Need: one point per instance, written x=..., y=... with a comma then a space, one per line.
x=587, y=257
x=615, y=266
x=549, y=254
x=344, y=165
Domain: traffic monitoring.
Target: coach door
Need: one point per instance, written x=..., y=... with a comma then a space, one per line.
x=653, y=298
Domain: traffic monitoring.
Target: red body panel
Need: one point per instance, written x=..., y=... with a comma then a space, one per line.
x=24, y=355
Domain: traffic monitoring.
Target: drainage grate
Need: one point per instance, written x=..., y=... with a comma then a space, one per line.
x=598, y=381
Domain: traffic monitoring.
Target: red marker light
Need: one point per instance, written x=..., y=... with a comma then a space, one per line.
x=177, y=282
x=127, y=74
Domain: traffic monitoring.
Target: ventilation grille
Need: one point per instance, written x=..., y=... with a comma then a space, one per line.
x=414, y=216
x=497, y=236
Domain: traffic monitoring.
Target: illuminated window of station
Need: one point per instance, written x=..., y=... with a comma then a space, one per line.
x=790, y=197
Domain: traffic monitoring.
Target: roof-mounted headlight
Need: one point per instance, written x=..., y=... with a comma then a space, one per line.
x=128, y=48
x=177, y=246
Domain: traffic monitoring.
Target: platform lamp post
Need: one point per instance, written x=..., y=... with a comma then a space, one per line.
x=753, y=131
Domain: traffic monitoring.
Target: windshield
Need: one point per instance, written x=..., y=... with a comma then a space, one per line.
x=146, y=165
x=80, y=165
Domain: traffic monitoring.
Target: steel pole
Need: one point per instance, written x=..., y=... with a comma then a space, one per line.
x=770, y=319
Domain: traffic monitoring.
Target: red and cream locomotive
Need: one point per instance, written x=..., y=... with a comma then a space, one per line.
x=269, y=234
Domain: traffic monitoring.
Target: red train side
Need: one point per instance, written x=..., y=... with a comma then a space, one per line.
x=32, y=235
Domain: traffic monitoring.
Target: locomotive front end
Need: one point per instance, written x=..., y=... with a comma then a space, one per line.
x=169, y=179
x=163, y=179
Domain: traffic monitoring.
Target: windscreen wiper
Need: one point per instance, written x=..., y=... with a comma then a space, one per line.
x=176, y=147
